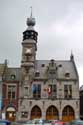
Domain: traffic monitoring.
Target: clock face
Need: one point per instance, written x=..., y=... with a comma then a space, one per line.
x=28, y=51
x=12, y=77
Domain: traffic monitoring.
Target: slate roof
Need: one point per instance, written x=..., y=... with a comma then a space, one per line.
x=1, y=69
x=62, y=68
x=13, y=72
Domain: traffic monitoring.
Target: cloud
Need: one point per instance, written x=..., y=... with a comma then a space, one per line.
x=59, y=24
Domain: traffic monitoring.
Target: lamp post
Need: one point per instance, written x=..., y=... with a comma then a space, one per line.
x=0, y=97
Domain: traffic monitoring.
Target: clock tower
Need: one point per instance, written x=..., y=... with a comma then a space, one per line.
x=29, y=48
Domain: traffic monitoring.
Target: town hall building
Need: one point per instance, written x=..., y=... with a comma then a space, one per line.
x=47, y=89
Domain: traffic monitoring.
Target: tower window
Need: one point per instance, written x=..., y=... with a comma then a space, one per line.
x=60, y=65
x=27, y=33
x=43, y=65
x=31, y=36
x=32, y=33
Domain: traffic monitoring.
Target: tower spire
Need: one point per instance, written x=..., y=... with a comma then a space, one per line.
x=31, y=12
x=72, y=56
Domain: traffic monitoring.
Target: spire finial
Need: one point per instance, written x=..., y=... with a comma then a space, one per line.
x=71, y=52
x=72, y=56
x=31, y=11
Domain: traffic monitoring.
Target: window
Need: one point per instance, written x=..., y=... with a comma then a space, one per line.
x=24, y=114
x=37, y=74
x=52, y=74
x=11, y=91
x=36, y=88
x=52, y=62
x=60, y=65
x=43, y=65
x=26, y=91
x=13, y=77
x=27, y=33
x=67, y=74
x=53, y=92
x=67, y=91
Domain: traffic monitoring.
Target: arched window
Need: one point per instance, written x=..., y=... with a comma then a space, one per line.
x=52, y=113
x=35, y=112
x=68, y=114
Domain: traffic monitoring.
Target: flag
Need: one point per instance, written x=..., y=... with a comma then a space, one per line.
x=34, y=88
x=49, y=90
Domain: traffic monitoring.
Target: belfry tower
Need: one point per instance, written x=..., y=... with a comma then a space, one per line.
x=29, y=48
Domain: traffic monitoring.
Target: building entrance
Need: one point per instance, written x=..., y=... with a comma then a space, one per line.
x=52, y=113
x=11, y=114
x=68, y=114
x=36, y=112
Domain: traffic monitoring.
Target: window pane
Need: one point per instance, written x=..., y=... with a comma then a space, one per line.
x=11, y=91
x=13, y=95
x=36, y=90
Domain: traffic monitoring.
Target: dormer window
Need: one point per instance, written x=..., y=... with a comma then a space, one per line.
x=13, y=76
x=52, y=62
x=67, y=74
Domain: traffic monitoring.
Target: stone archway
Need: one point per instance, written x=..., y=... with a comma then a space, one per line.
x=36, y=112
x=68, y=114
x=11, y=114
x=52, y=113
